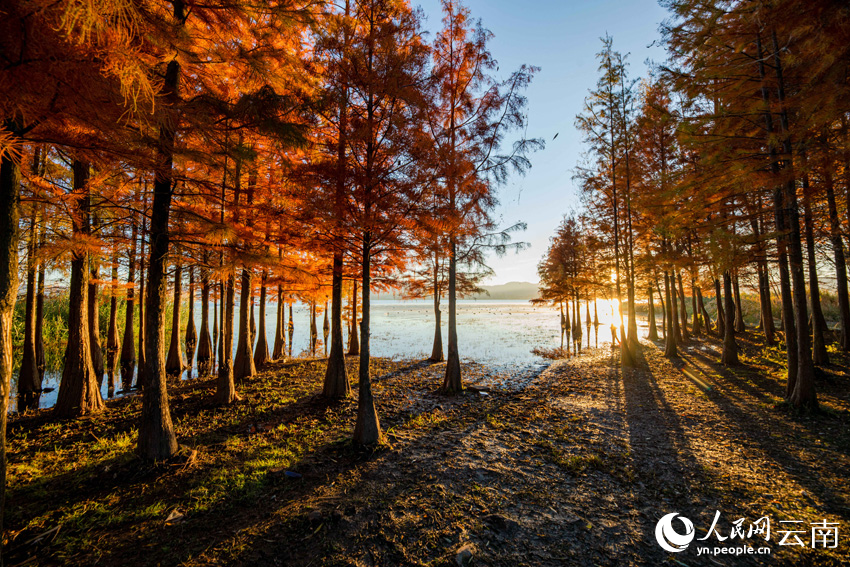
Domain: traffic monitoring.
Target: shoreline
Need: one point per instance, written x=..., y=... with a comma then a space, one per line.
x=576, y=467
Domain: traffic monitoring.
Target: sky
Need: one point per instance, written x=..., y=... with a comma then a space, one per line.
x=561, y=37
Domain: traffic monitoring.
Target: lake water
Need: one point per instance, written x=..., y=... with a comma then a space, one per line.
x=500, y=334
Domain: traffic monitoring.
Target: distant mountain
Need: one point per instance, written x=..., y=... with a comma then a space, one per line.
x=510, y=290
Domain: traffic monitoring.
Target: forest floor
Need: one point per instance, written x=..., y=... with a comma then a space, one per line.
x=574, y=465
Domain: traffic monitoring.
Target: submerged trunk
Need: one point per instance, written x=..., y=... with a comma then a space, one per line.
x=243, y=366
x=128, y=344
x=367, y=429
x=205, y=346
x=729, y=356
x=225, y=386
x=112, y=332
x=29, y=382
x=174, y=364
x=191, y=331
x=336, y=379
x=79, y=392
x=261, y=353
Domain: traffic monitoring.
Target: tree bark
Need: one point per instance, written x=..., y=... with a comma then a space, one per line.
x=354, y=334
x=671, y=338
x=128, y=343
x=261, y=353
x=140, y=360
x=336, y=379
x=79, y=392
x=437, y=347
x=729, y=356
x=94, y=319
x=112, y=333
x=721, y=316
x=279, y=352
x=683, y=309
x=452, y=381
x=225, y=390
x=819, y=354
x=653, y=329
x=838, y=255
x=39, y=302
x=740, y=326
x=205, y=346
x=175, y=363
x=156, y=432
x=29, y=382
x=191, y=330
x=694, y=308
x=705, y=316
x=243, y=366
x=10, y=182
x=367, y=429
x=290, y=327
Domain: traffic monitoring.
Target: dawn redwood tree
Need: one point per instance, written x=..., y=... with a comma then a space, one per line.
x=79, y=392
x=128, y=343
x=468, y=120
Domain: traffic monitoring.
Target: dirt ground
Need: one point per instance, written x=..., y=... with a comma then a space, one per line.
x=574, y=465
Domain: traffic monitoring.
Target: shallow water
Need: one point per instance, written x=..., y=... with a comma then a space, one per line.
x=500, y=334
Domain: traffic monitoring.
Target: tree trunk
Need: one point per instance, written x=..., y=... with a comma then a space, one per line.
x=663, y=310
x=694, y=308
x=671, y=338
x=10, y=183
x=243, y=366
x=683, y=309
x=175, y=364
x=838, y=255
x=191, y=330
x=336, y=379
x=279, y=352
x=253, y=328
x=721, y=316
x=112, y=332
x=705, y=316
x=39, y=302
x=140, y=360
x=674, y=308
x=156, y=432
x=94, y=321
x=205, y=346
x=819, y=354
x=452, y=382
x=290, y=327
x=217, y=306
x=354, y=335
x=326, y=329
x=740, y=326
x=225, y=386
x=437, y=348
x=314, y=330
x=79, y=392
x=367, y=429
x=653, y=329
x=128, y=343
x=261, y=353
x=29, y=383
x=729, y=356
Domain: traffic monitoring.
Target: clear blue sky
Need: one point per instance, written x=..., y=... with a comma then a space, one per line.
x=562, y=38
